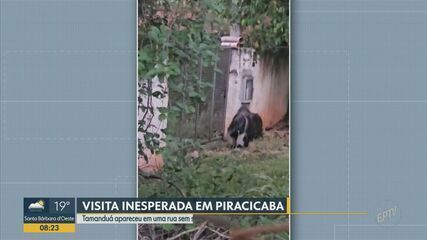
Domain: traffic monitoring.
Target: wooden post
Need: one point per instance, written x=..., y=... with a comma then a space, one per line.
x=212, y=105
x=198, y=88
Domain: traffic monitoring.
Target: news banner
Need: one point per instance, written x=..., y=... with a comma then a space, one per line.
x=58, y=215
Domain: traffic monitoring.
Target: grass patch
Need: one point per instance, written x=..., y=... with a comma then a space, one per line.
x=261, y=170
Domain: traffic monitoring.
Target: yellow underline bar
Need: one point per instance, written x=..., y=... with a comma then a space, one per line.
x=329, y=213
x=225, y=213
x=278, y=213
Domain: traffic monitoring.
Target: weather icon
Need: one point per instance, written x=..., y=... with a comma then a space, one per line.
x=37, y=206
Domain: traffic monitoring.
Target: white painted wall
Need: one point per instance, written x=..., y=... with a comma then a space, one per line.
x=155, y=161
x=271, y=87
x=156, y=124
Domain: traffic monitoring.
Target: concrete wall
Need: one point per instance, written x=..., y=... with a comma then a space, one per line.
x=270, y=85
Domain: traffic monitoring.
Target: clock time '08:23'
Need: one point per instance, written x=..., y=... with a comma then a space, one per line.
x=49, y=228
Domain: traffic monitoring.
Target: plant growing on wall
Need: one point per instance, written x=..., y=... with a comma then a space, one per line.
x=176, y=43
x=264, y=24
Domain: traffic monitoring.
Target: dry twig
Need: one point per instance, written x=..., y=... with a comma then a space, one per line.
x=249, y=233
x=202, y=228
x=220, y=234
x=183, y=233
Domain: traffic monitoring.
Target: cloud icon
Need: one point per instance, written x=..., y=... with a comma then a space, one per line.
x=37, y=206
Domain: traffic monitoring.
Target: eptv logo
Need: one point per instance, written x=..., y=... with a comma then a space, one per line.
x=386, y=214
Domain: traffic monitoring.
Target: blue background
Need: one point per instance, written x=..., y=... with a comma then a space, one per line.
x=359, y=114
x=68, y=107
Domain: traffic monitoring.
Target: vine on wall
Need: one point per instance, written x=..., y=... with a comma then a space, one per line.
x=177, y=40
x=265, y=24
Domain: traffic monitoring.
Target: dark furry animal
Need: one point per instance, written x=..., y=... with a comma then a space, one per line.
x=245, y=127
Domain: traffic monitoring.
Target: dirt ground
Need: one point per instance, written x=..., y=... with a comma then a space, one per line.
x=273, y=141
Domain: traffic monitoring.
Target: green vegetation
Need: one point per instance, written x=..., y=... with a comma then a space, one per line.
x=265, y=24
x=177, y=40
x=260, y=171
x=174, y=47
